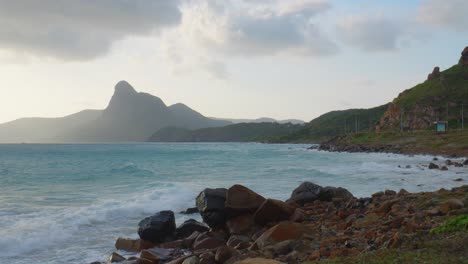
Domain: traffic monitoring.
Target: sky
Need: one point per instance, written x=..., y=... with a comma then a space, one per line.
x=227, y=58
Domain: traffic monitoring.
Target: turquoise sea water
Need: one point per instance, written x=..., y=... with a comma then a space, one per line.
x=68, y=203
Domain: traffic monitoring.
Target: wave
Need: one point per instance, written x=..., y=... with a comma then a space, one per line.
x=47, y=229
x=131, y=169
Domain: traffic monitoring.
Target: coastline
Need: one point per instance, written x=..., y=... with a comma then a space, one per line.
x=315, y=224
x=450, y=145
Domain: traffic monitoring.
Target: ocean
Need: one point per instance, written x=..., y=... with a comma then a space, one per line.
x=69, y=203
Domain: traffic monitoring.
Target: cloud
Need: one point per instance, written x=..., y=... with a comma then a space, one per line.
x=370, y=33
x=79, y=30
x=214, y=31
x=443, y=13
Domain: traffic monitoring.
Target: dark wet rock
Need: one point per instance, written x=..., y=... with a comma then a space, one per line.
x=210, y=204
x=444, y=168
x=306, y=192
x=329, y=193
x=191, y=210
x=433, y=166
x=157, y=228
x=188, y=227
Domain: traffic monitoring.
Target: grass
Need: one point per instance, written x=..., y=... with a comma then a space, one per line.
x=424, y=248
x=423, y=141
x=459, y=223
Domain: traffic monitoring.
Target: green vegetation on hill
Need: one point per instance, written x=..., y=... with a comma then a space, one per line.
x=441, y=97
x=337, y=123
x=243, y=132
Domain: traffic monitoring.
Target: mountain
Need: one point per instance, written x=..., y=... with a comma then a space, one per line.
x=442, y=97
x=130, y=116
x=336, y=123
x=243, y=132
x=262, y=120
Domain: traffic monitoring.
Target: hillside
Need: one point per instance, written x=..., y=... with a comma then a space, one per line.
x=440, y=97
x=243, y=132
x=130, y=116
x=336, y=123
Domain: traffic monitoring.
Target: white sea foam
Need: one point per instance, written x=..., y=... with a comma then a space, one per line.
x=49, y=228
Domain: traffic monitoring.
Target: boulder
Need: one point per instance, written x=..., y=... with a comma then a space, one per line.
x=306, y=192
x=207, y=258
x=330, y=193
x=451, y=204
x=236, y=240
x=433, y=166
x=191, y=260
x=258, y=261
x=240, y=200
x=223, y=254
x=127, y=244
x=191, y=210
x=157, y=228
x=210, y=204
x=208, y=243
x=273, y=210
x=281, y=232
x=157, y=254
x=114, y=257
x=240, y=225
x=188, y=227
x=465, y=162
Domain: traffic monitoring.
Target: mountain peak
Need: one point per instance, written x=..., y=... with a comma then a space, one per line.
x=123, y=87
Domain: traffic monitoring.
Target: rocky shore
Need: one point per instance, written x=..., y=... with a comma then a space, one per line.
x=316, y=223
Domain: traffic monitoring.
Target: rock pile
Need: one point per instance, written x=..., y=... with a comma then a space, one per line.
x=243, y=227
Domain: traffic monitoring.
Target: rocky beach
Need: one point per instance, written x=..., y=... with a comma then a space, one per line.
x=315, y=224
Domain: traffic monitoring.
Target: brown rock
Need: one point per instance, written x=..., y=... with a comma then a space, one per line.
x=240, y=225
x=299, y=215
x=258, y=261
x=281, y=232
x=236, y=240
x=114, y=257
x=191, y=260
x=208, y=243
x=207, y=258
x=240, y=199
x=144, y=244
x=223, y=254
x=156, y=254
x=127, y=244
x=451, y=204
x=272, y=210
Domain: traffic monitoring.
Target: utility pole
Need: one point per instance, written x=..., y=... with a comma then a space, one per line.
x=401, y=120
x=355, y=125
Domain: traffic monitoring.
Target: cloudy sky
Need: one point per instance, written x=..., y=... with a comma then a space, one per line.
x=226, y=58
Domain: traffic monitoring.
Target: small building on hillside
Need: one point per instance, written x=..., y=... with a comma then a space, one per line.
x=441, y=126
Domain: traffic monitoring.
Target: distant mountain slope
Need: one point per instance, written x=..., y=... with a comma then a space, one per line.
x=37, y=129
x=336, y=123
x=440, y=97
x=243, y=132
x=262, y=120
x=130, y=116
